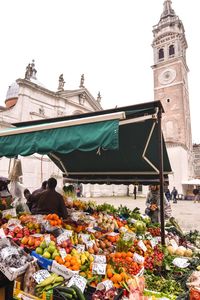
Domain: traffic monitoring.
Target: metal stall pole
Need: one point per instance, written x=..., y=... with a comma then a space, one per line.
x=160, y=150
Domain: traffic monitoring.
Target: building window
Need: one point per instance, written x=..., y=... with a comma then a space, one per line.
x=161, y=53
x=171, y=50
x=168, y=100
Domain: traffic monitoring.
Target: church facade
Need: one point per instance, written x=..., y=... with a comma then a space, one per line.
x=27, y=99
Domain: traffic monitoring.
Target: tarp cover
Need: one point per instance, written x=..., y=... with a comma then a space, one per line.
x=86, y=137
x=127, y=162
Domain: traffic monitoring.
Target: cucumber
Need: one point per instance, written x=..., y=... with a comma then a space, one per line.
x=68, y=290
x=78, y=292
x=67, y=296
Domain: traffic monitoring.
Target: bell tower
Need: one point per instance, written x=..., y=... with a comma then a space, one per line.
x=170, y=72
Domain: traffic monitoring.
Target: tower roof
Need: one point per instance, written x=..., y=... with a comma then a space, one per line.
x=167, y=9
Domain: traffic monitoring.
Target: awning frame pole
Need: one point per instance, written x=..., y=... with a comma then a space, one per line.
x=160, y=151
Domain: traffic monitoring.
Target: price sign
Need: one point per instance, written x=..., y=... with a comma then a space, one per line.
x=68, y=233
x=123, y=229
x=101, y=259
x=142, y=245
x=105, y=285
x=84, y=237
x=63, y=253
x=2, y=233
x=47, y=239
x=41, y=275
x=112, y=233
x=138, y=258
x=99, y=269
x=89, y=244
x=92, y=230
x=14, y=222
x=79, y=281
x=64, y=236
x=80, y=248
x=11, y=212
x=128, y=236
x=154, y=242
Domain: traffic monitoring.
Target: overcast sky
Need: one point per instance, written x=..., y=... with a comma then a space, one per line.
x=107, y=40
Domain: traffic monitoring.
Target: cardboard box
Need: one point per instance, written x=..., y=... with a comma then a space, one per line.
x=10, y=272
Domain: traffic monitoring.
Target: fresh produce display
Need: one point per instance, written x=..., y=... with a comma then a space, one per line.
x=99, y=252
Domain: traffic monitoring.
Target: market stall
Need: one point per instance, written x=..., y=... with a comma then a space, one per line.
x=99, y=252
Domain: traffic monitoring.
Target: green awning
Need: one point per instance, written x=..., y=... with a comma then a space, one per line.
x=136, y=160
x=104, y=150
x=86, y=137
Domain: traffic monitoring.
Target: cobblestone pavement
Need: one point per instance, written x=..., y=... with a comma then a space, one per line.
x=186, y=213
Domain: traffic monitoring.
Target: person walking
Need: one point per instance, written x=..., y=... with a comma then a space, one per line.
x=196, y=195
x=153, y=204
x=174, y=194
x=135, y=192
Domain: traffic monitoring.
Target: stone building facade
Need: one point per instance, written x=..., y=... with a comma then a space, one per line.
x=170, y=73
x=196, y=150
x=28, y=99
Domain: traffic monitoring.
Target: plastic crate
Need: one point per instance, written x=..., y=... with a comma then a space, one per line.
x=42, y=261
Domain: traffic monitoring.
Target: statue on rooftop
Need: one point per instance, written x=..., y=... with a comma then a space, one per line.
x=31, y=71
x=99, y=97
x=61, y=83
x=82, y=81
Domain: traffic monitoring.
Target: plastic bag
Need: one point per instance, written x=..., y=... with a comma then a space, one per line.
x=20, y=205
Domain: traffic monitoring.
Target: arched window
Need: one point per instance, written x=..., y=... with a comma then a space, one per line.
x=161, y=54
x=171, y=50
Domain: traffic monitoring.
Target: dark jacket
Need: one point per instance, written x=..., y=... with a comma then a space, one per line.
x=51, y=202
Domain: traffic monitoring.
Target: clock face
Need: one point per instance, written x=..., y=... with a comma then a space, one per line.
x=167, y=76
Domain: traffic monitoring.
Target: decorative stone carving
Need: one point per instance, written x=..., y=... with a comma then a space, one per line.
x=82, y=98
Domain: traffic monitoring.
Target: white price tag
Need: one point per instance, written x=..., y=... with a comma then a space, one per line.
x=10, y=212
x=112, y=233
x=154, y=242
x=89, y=244
x=80, y=248
x=99, y=269
x=101, y=259
x=47, y=239
x=2, y=233
x=107, y=285
x=138, y=258
x=92, y=230
x=63, y=237
x=128, y=236
x=68, y=233
x=63, y=253
x=79, y=281
x=174, y=244
x=85, y=237
x=41, y=275
x=123, y=229
x=142, y=245
x=14, y=222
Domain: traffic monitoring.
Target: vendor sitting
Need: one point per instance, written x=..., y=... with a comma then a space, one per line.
x=50, y=201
